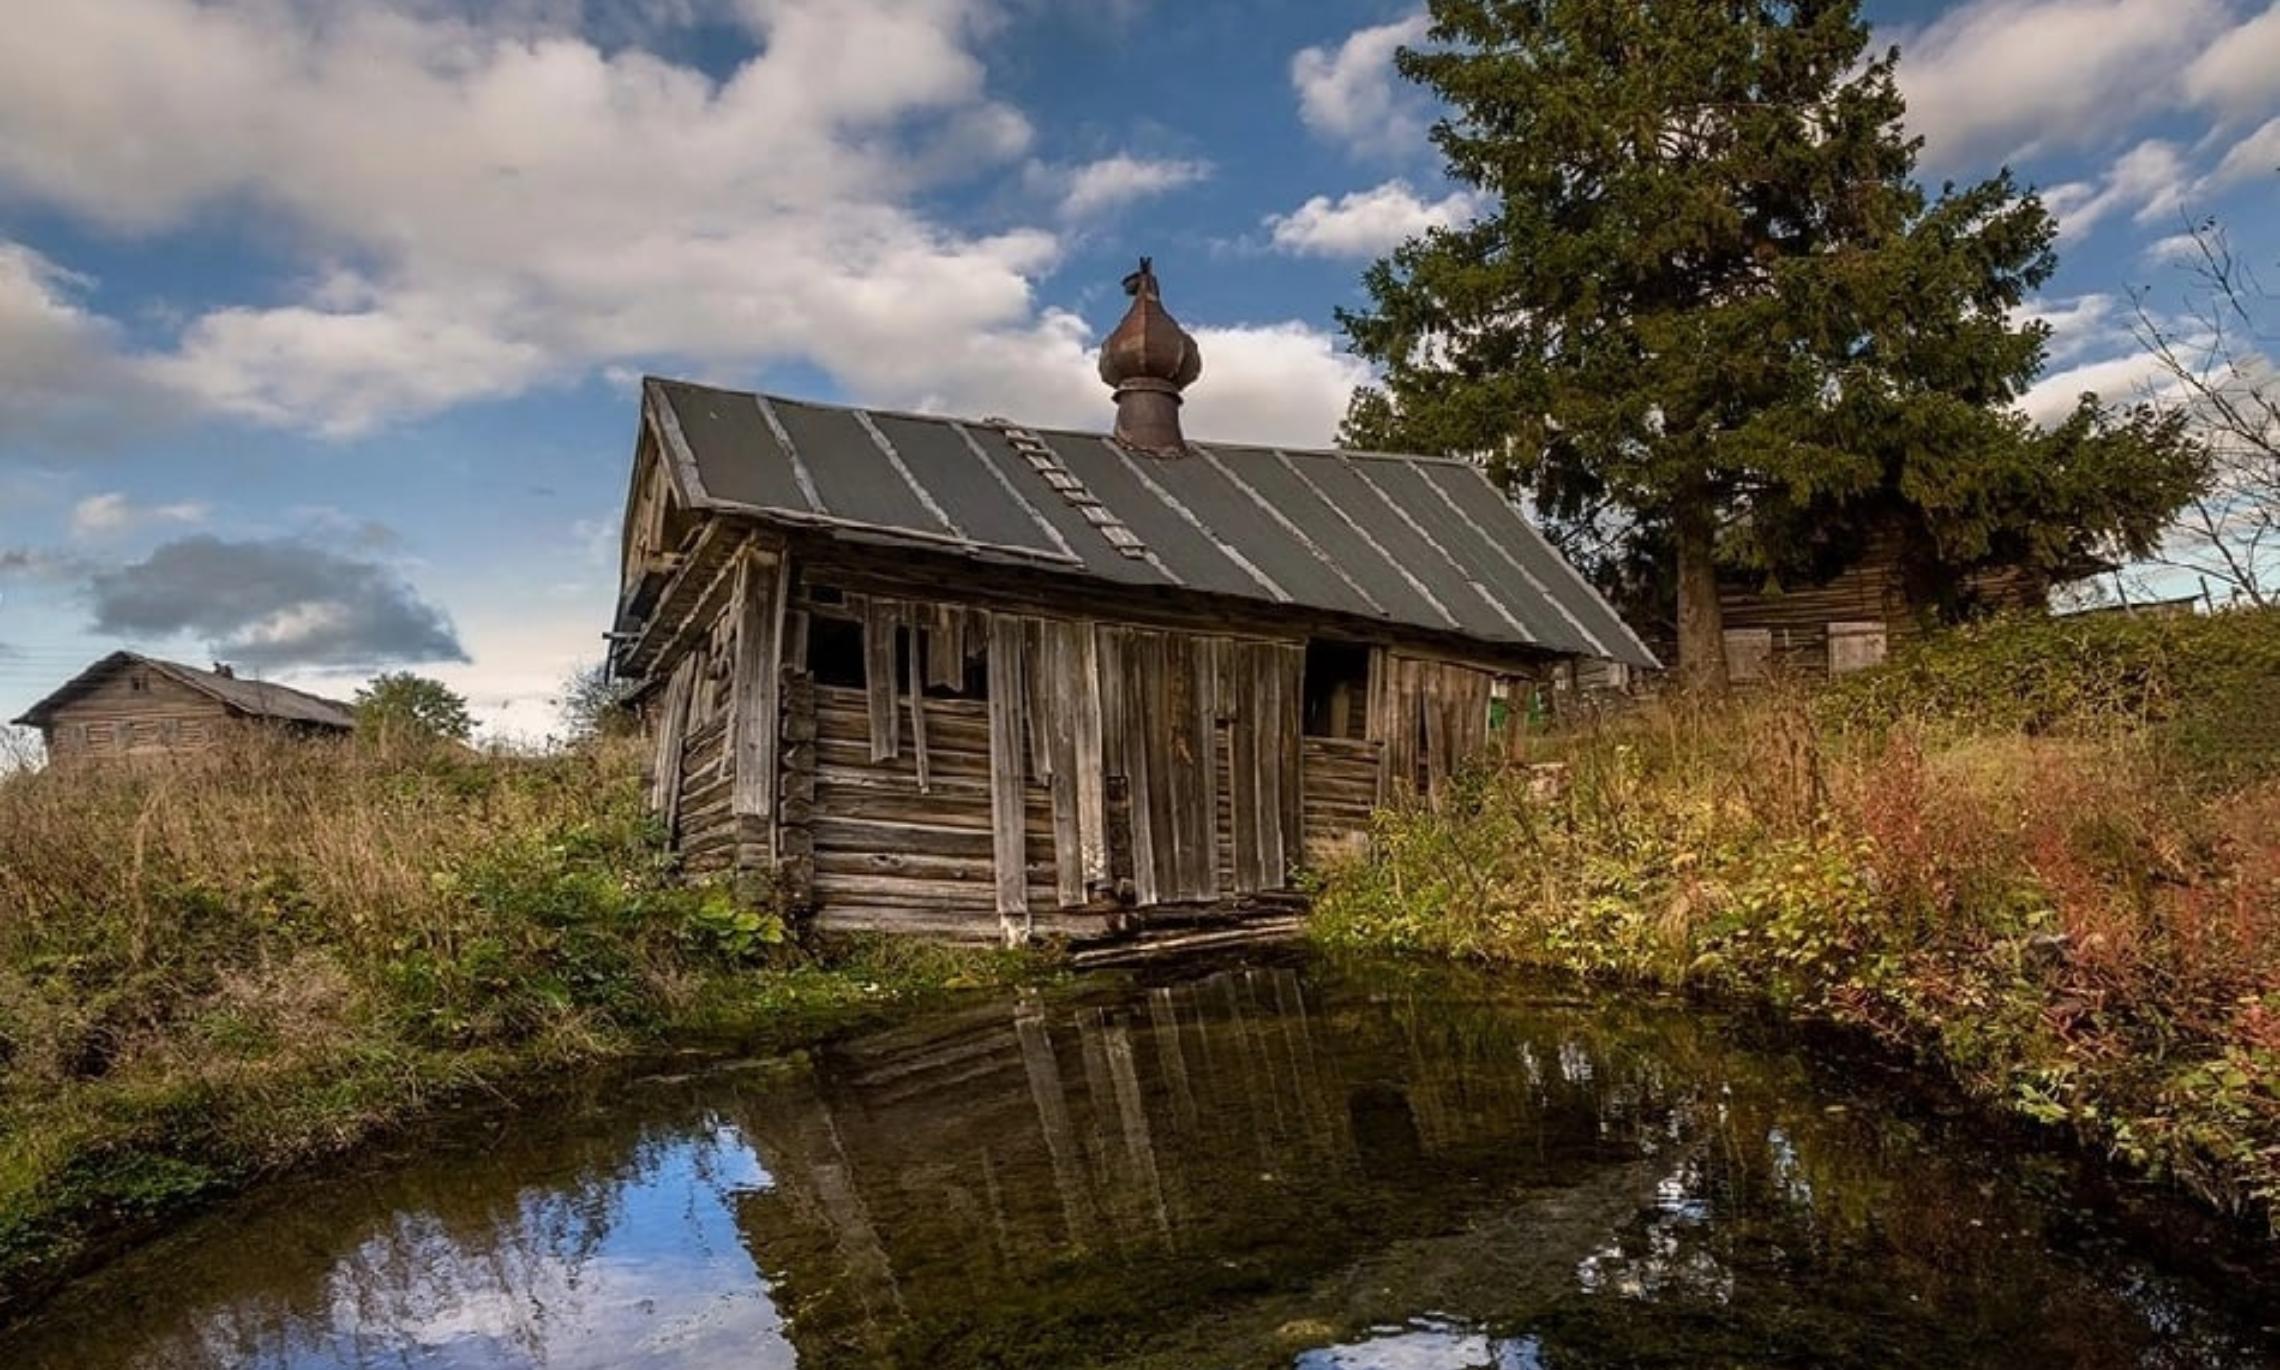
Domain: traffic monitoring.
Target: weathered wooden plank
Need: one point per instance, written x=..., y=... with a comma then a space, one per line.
x=977, y=871
x=1243, y=773
x=753, y=685
x=1289, y=679
x=946, y=646
x=1036, y=701
x=856, y=753
x=1092, y=793
x=1055, y=689
x=793, y=837
x=1143, y=758
x=924, y=893
x=880, y=619
x=666, y=797
x=795, y=634
x=918, y=721
x=1006, y=803
x=834, y=833
x=836, y=805
x=1202, y=724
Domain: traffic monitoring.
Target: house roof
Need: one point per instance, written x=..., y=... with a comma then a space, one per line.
x=250, y=698
x=1423, y=542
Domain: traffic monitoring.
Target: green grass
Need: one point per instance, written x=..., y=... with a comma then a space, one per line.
x=215, y=971
x=2045, y=857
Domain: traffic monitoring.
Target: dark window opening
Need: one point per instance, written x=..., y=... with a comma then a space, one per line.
x=137, y=682
x=826, y=594
x=1336, y=689
x=835, y=652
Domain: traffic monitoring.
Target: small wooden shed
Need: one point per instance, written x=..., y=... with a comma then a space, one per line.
x=131, y=706
x=970, y=678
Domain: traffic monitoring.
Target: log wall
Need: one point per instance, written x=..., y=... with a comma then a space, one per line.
x=1000, y=772
x=1786, y=632
x=120, y=720
x=892, y=854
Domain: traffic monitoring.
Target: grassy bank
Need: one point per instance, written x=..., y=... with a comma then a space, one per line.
x=2043, y=856
x=212, y=971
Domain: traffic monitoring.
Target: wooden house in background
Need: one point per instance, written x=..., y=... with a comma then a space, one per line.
x=132, y=706
x=976, y=679
x=1852, y=619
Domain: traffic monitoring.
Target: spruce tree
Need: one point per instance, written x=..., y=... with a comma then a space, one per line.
x=1709, y=297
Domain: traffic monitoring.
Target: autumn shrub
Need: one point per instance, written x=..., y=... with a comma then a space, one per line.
x=2047, y=886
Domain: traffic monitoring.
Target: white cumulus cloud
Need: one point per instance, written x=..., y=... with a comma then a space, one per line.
x=1350, y=94
x=1365, y=223
x=2000, y=77
x=1111, y=183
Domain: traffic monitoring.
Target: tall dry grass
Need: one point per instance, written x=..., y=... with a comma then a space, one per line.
x=2075, y=911
x=217, y=966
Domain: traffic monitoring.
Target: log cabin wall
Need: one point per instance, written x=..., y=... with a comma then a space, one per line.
x=993, y=767
x=136, y=713
x=934, y=748
x=1854, y=619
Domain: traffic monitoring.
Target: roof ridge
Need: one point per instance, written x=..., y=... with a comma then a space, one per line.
x=999, y=422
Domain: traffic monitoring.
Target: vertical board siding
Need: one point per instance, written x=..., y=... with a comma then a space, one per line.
x=1430, y=718
x=1007, y=806
x=1266, y=816
x=880, y=619
x=1109, y=764
x=754, y=687
x=665, y=791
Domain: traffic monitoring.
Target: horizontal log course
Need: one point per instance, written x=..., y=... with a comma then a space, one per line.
x=946, y=765
x=833, y=801
x=895, y=891
x=839, y=699
x=864, y=837
x=971, y=927
x=913, y=866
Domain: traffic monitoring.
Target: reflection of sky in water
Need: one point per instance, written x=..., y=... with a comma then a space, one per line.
x=1427, y=1345
x=1206, y=1172
x=665, y=1280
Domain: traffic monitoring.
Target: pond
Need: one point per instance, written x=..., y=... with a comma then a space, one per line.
x=1280, y=1164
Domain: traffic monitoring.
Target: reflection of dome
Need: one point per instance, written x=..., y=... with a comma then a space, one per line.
x=1149, y=344
x=1149, y=358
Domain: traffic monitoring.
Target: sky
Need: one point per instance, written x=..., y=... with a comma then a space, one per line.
x=321, y=321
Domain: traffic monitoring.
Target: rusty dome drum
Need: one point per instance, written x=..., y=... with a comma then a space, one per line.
x=1149, y=359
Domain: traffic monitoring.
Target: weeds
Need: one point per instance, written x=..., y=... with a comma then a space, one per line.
x=2038, y=874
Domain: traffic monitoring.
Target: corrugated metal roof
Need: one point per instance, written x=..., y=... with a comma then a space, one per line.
x=253, y=698
x=1425, y=542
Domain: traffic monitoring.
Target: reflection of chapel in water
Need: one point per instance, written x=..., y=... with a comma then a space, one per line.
x=1206, y=1147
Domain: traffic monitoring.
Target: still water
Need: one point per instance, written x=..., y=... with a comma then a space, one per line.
x=1280, y=1164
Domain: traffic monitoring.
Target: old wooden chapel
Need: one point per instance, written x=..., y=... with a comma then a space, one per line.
x=974, y=679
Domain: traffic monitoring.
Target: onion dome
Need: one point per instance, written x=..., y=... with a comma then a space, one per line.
x=1149, y=359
